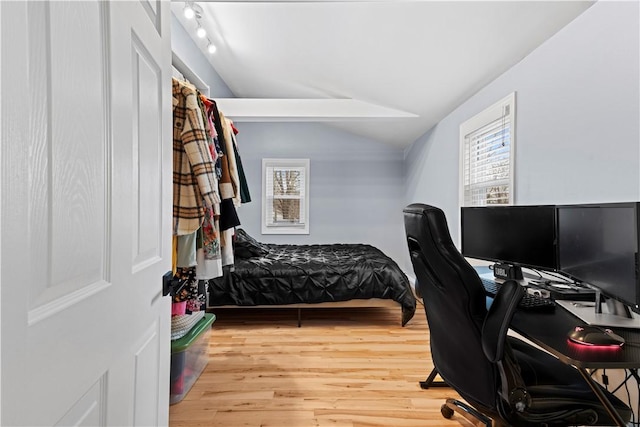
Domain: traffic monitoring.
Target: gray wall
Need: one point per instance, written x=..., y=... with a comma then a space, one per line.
x=356, y=185
x=577, y=120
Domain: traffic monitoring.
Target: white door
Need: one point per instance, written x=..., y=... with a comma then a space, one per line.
x=85, y=190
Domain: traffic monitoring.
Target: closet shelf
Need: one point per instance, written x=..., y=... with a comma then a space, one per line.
x=305, y=110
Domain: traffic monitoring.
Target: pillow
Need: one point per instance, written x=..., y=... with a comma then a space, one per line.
x=248, y=247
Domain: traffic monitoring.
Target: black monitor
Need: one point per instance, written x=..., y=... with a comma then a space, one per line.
x=515, y=235
x=598, y=245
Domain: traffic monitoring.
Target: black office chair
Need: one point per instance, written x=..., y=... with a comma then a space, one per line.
x=500, y=377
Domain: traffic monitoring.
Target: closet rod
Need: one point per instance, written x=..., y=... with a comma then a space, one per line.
x=188, y=73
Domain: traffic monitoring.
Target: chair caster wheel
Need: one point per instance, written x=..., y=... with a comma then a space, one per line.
x=446, y=411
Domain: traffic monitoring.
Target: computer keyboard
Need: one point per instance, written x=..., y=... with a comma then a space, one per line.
x=528, y=302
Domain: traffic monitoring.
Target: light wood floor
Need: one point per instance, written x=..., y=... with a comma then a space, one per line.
x=343, y=367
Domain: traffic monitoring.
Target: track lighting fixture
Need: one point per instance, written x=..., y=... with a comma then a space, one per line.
x=194, y=10
x=188, y=11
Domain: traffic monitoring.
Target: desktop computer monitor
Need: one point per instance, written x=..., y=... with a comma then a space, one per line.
x=522, y=236
x=598, y=245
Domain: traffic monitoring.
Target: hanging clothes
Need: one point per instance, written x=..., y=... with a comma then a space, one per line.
x=245, y=197
x=194, y=180
x=209, y=183
x=209, y=256
x=226, y=183
x=209, y=252
x=208, y=110
x=195, y=195
x=228, y=258
x=231, y=158
x=186, y=250
x=228, y=219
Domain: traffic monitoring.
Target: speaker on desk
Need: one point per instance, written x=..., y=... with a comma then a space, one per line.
x=507, y=271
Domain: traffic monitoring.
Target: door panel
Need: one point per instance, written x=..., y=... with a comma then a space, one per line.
x=67, y=177
x=146, y=375
x=154, y=11
x=147, y=125
x=90, y=410
x=85, y=191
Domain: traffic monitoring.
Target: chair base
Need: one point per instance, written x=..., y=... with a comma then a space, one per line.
x=452, y=406
x=431, y=381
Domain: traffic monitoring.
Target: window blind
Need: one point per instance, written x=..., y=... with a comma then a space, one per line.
x=487, y=163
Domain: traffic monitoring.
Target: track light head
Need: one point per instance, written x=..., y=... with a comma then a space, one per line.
x=192, y=10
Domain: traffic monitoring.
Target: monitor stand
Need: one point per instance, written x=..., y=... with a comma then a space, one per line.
x=613, y=307
x=612, y=313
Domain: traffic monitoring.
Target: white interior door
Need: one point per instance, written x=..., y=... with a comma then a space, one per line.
x=85, y=215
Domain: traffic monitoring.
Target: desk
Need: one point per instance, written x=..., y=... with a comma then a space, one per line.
x=549, y=331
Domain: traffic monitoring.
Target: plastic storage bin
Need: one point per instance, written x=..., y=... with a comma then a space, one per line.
x=189, y=357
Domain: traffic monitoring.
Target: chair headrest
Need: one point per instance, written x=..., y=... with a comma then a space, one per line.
x=428, y=237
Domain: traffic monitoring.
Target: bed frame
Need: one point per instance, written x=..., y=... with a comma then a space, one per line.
x=355, y=303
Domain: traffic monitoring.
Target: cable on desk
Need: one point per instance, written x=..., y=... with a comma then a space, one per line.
x=556, y=275
x=535, y=271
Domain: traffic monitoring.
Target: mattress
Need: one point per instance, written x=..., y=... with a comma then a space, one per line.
x=294, y=274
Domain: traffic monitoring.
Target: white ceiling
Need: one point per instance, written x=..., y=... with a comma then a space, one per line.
x=419, y=57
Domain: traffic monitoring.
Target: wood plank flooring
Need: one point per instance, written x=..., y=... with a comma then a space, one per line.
x=343, y=367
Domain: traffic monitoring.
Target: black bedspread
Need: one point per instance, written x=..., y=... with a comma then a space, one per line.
x=290, y=274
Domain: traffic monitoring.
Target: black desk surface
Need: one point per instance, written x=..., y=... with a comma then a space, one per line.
x=549, y=331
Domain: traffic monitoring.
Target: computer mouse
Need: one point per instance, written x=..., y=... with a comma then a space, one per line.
x=595, y=335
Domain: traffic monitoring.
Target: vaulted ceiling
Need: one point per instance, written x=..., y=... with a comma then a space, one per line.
x=412, y=62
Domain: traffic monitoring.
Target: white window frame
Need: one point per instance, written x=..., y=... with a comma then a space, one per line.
x=268, y=227
x=491, y=114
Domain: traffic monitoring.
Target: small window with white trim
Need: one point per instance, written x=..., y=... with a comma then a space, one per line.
x=285, y=196
x=487, y=143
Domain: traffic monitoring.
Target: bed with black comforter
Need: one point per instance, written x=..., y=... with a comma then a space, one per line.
x=269, y=274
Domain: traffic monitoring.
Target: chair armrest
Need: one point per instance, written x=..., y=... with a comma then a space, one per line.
x=496, y=324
